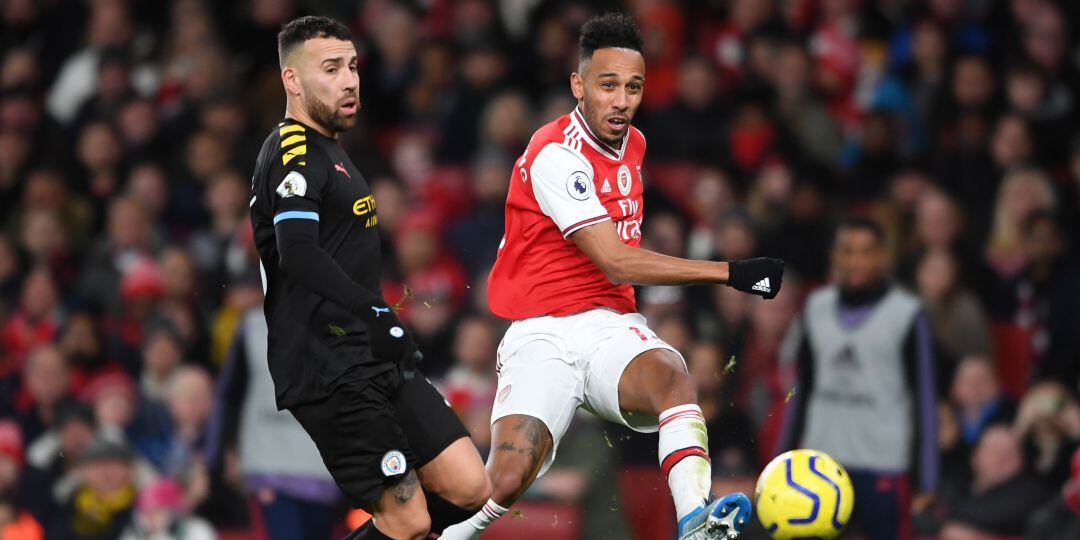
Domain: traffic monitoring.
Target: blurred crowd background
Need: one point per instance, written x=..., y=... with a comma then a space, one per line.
x=130, y=302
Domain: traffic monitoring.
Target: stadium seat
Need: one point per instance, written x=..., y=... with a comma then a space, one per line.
x=537, y=521
x=234, y=534
x=1013, y=357
x=646, y=501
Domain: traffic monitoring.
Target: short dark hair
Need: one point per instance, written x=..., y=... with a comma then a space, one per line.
x=862, y=223
x=610, y=30
x=297, y=31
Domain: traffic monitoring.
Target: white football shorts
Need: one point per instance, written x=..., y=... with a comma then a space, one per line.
x=550, y=366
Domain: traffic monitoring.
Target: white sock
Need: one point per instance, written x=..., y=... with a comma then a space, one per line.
x=471, y=528
x=684, y=457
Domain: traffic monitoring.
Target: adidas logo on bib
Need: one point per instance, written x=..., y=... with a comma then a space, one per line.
x=762, y=286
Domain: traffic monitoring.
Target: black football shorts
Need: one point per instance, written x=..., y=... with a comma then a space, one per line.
x=373, y=431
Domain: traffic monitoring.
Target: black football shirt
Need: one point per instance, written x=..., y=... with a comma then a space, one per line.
x=314, y=341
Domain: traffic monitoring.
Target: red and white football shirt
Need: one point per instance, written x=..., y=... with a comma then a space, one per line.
x=566, y=179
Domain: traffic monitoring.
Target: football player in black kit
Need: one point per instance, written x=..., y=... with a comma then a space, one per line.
x=341, y=360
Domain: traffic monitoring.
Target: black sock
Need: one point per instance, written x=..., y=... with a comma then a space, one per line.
x=367, y=531
x=445, y=513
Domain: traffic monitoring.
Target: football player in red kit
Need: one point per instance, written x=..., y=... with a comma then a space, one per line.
x=564, y=276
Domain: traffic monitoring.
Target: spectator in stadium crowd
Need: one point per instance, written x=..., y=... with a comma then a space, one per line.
x=47, y=190
x=16, y=523
x=100, y=505
x=733, y=453
x=113, y=397
x=175, y=449
x=46, y=382
x=179, y=307
x=162, y=354
x=1043, y=298
x=938, y=225
x=801, y=108
x=956, y=317
x=976, y=403
x=35, y=321
x=138, y=308
x=1023, y=191
x=283, y=474
x=1048, y=422
x=865, y=390
x=45, y=242
x=686, y=129
x=438, y=289
x=713, y=195
x=470, y=385
x=758, y=390
x=128, y=236
x=146, y=186
x=160, y=515
x=51, y=461
x=1059, y=519
x=226, y=199
x=475, y=237
x=1000, y=496
x=80, y=342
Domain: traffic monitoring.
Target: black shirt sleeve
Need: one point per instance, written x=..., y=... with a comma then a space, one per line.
x=314, y=268
x=298, y=178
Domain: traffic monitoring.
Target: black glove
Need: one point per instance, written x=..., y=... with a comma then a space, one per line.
x=390, y=341
x=761, y=276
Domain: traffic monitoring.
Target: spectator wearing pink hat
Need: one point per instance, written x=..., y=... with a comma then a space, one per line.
x=112, y=395
x=142, y=288
x=160, y=515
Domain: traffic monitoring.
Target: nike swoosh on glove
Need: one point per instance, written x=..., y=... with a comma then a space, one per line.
x=761, y=276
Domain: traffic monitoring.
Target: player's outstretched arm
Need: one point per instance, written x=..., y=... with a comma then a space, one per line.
x=625, y=264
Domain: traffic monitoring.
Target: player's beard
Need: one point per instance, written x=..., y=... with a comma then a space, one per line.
x=330, y=117
x=595, y=123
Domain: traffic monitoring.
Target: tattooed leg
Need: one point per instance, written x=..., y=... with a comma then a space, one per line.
x=402, y=510
x=520, y=444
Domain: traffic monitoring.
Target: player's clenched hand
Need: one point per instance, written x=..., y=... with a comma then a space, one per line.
x=761, y=276
x=390, y=341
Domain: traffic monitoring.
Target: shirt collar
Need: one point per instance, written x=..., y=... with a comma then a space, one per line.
x=591, y=139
